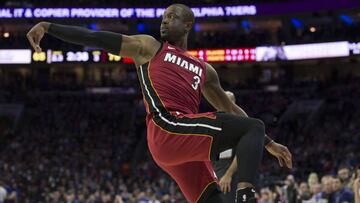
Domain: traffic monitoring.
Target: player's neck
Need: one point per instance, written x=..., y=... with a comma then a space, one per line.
x=182, y=43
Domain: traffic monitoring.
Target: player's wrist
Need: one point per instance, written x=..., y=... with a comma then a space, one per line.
x=267, y=140
x=268, y=145
x=45, y=26
x=229, y=173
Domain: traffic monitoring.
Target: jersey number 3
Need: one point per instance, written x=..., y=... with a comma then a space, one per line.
x=196, y=83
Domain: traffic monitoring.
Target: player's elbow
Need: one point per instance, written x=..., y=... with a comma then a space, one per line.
x=133, y=47
x=224, y=108
x=111, y=42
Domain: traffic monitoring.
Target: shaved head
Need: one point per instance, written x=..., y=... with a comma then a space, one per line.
x=187, y=13
x=177, y=22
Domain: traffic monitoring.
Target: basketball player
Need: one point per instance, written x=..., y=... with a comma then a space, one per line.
x=182, y=141
x=225, y=173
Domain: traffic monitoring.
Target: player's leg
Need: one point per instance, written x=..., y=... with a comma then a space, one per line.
x=215, y=197
x=247, y=135
x=182, y=139
x=196, y=180
x=179, y=139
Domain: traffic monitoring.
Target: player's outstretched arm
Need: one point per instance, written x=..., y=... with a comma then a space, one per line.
x=216, y=96
x=139, y=47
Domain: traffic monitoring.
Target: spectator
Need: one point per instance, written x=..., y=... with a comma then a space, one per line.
x=327, y=189
x=303, y=192
x=344, y=176
x=266, y=196
x=316, y=192
x=313, y=180
x=2, y=192
x=341, y=193
x=290, y=189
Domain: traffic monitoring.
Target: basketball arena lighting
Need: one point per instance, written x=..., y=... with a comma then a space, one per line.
x=6, y=35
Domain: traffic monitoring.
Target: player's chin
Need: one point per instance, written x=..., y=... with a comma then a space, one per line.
x=164, y=36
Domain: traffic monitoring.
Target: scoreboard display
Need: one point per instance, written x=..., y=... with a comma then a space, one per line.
x=225, y=55
x=57, y=56
x=97, y=56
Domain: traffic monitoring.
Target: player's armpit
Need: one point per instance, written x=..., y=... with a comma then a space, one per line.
x=218, y=98
x=215, y=94
x=139, y=47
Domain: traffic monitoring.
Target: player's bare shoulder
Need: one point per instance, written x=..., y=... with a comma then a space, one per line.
x=211, y=74
x=148, y=48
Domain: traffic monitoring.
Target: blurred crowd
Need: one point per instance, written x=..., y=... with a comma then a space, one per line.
x=73, y=146
x=326, y=189
x=76, y=147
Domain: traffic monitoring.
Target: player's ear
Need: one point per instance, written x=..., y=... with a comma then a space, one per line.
x=188, y=26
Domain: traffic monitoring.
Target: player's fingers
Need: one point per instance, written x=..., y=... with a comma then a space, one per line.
x=281, y=162
x=285, y=162
x=37, y=42
x=287, y=153
x=290, y=155
x=288, y=162
x=229, y=187
x=226, y=188
x=222, y=187
x=290, y=165
x=288, y=158
x=31, y=39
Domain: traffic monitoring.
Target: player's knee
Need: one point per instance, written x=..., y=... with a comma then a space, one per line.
x=214, y=197
x=257, y=124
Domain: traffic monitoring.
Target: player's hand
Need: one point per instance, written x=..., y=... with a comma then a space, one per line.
x=225, y=183
x=36, y=34
x=281, y=153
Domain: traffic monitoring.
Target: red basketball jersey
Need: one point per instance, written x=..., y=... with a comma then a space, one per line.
x=180, y=143
x=172, y=81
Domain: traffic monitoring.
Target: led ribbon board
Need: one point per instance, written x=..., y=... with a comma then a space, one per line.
x=303, y=51
x=212, y=11
x=277, y=8
x=250, y=54
x=15, y=56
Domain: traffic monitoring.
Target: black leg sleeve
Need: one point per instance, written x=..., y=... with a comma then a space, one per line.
x=247, y=135
x=214, y=197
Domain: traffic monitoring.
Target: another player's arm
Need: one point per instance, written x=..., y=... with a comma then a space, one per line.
x=225, y=180
x=139, y=47
x=215, y=94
